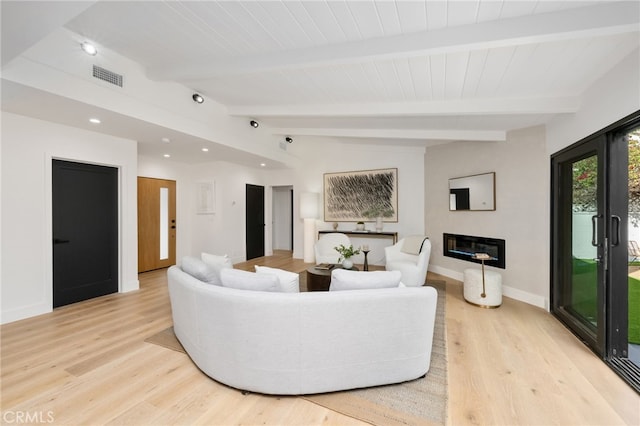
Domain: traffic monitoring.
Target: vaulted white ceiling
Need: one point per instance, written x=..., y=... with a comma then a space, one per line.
x=404, y=72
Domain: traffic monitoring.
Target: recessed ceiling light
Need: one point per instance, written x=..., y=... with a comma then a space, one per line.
x=94, y=120
x=254, y=123
x=263, y=165
x=205, y=149
x=166, y=140
x=197, y=98
x=167, y=156
x=89, y=48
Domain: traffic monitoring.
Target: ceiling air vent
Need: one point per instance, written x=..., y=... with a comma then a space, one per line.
x=106, y=75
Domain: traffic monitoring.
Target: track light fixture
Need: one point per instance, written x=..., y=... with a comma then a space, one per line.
x=289, y=139
x=197, y=98
x=254, y=124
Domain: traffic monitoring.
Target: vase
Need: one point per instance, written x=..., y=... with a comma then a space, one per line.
x=347, y=264
x=379, y=223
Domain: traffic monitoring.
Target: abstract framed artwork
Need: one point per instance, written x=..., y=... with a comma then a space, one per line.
x=361, y=196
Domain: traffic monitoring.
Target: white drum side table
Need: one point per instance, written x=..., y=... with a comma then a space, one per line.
x=482, y=288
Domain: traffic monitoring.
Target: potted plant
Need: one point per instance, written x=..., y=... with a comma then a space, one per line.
x=360, y=226
x=345, y=255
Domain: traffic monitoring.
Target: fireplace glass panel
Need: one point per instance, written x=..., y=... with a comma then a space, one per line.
x=464, y=247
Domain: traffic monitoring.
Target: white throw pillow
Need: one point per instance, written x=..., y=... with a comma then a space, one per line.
x=413, y=244
x=342, y=279
x=244, y=280
x=200, y=270
x=216, y=262
x=289, y=281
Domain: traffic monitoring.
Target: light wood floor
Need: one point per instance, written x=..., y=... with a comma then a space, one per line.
x=88, y=363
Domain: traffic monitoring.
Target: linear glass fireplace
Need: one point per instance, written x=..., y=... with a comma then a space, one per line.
x=465, y=246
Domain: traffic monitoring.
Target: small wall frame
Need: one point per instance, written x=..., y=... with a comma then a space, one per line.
x=206, y=197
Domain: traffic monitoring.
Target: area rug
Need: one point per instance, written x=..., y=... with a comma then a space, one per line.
x=418, y=402
x=167, y=339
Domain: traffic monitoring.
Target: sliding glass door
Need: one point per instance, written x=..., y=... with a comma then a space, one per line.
x=626, y=343
x=579, y=255
x=596, y=244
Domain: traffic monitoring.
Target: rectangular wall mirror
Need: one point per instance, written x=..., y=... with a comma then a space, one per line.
x=475, y=192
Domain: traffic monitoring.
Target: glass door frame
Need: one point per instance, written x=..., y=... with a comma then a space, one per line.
x=561, y=239
x=617, y=212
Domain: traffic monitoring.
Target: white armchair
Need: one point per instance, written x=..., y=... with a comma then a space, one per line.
x=324, y=247
x=410, y=256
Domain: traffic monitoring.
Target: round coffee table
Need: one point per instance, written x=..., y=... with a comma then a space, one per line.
x=319, y=279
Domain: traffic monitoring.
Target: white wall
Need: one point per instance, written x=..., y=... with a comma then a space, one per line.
x=611, y=98
x=319, y=156
x=28, y=146
x=521, y=217
x=224, y=232
x=522, y=184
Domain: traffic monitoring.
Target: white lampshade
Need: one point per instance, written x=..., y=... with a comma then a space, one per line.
x=309, y=205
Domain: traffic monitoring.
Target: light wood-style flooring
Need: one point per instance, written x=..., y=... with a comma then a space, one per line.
x=88, y=363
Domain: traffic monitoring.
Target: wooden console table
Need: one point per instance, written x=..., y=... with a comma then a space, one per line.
x=363, y=234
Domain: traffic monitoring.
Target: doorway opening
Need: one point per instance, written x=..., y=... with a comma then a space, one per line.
x=282, y=218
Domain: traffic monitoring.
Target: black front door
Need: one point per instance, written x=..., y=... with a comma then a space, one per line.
x=85, y=231
x=255, y=221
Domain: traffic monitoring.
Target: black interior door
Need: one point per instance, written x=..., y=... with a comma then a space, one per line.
x=255, y=221
x=85, y=231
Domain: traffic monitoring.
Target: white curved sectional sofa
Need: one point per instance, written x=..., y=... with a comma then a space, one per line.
x=303, y=343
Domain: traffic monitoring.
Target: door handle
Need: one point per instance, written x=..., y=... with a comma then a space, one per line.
x=59, y=241
x=615, y=220
x=593, y=229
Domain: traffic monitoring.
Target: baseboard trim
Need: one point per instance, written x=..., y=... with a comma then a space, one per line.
x=526, y=297
x=25, y=312
x=510, y=292
x=131, y=285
